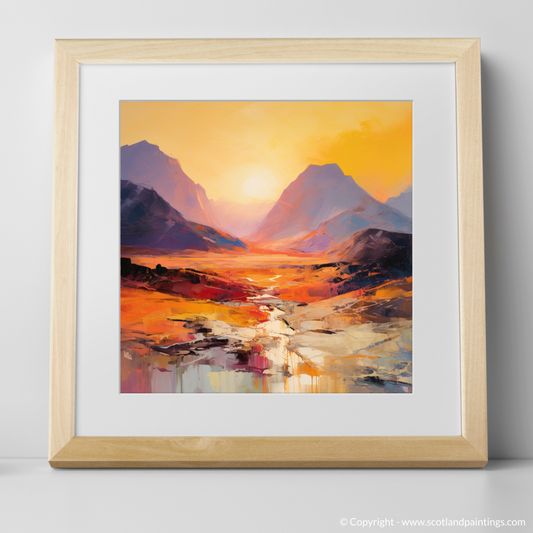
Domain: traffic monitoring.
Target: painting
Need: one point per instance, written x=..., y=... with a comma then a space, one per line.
x=266, y=247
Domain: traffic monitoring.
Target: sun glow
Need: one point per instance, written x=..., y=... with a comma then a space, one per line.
x=259, y=187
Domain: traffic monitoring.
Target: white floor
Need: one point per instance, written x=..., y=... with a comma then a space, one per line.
x=36, y=498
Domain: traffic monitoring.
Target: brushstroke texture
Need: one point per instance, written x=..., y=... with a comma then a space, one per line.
x=309, y=293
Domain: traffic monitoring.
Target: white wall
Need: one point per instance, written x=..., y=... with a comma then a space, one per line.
x=27, y=31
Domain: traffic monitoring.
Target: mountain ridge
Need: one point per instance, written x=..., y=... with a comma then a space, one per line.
x=147, y=165
x=319, y=193
x=403, y=202
x=323, y=207
x=148, y=220
x=371, y=245
x=339, y=228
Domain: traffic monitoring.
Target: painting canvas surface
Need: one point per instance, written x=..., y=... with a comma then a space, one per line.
x=266, y=247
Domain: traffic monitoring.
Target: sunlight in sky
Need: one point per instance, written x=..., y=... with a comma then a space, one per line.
x=259, y=187
x=229, y=147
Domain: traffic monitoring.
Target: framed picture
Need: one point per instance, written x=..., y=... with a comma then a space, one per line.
x=277, y=259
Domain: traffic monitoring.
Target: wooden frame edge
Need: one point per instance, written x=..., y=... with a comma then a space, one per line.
x=268, y=452
x=64, y=242
x=67, y=451
x=471, y=249
x=265, y=50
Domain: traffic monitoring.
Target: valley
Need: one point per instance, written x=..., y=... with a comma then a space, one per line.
x=282, y=328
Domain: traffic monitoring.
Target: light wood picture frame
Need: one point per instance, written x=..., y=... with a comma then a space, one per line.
x=467, y=450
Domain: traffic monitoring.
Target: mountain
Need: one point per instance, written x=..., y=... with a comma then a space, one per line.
x=318, y=194
x=369, y=259
x=339, y=228
x=375, y=248
x=373, y=258
x=145, y=164
x=322, y=208
x=148, y=220
x=403, y=202
x=240, y=219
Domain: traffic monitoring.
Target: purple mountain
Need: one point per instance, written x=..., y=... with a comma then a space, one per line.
x=306, y=211
x=149, y=221
x=317, y=194
x=403, y=202
x=377, y=248
x=145, y=164
x=341, y=227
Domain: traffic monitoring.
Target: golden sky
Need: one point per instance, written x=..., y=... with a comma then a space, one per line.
x=250, y=151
